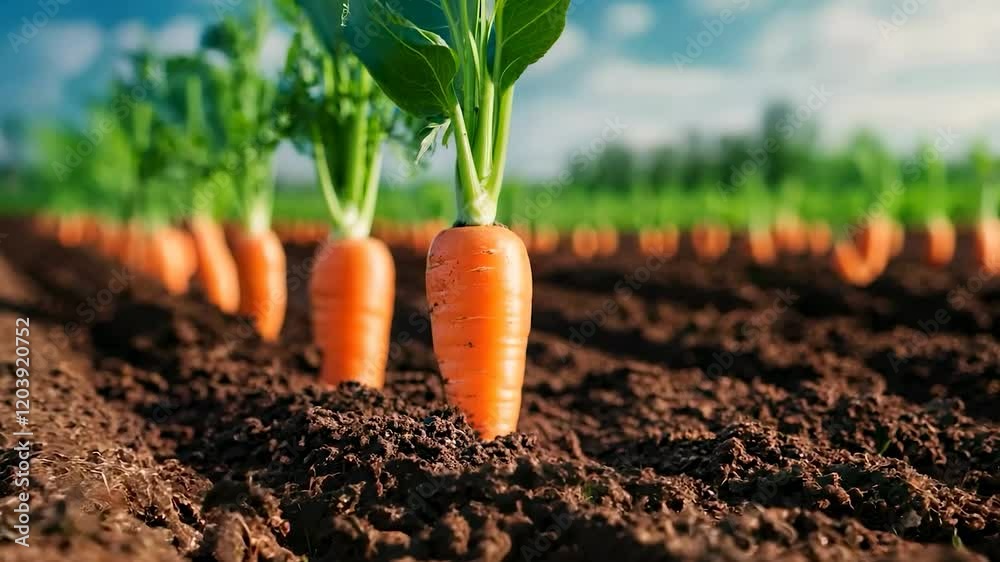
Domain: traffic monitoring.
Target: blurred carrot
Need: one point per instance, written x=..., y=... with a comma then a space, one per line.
x=761, y=246
x=940, y=236
x=217, y=273
x=260, y=264
x=820, y=239
x=584, y=242
x=607, y=241
x=710, y=241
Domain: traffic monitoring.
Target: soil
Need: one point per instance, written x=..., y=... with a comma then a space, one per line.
x=672, y=411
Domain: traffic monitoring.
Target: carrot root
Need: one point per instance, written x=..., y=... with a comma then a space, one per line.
x=479, y=291
x=352, y=291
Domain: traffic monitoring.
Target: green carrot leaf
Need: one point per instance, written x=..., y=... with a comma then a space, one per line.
x=524, y=31
x=413, y=66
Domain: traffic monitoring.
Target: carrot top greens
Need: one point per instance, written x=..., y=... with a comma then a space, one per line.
x=340, y=116
x=454, y=63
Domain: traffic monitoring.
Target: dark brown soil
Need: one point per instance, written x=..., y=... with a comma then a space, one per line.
x=671, y=412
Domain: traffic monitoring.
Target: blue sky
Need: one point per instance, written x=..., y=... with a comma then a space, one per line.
x=639, y=71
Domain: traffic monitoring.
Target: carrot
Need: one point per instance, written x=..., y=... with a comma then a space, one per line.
x=217, y=273
x=352, y=291
x=898, y=239
x=875, y=243
x=987, y=244
x=133, y=249
x=479, y=291
x=607, y=241
x=820, y=239
x=761, y=246
x=790, y=235
x=169, y=259
x=650, y=241
x=658, y=242
x=546, y=240
x=710, y=242
x=850, y=265
x=260, y=265
x=70, y=231
x=584, y=241
x=940, y=235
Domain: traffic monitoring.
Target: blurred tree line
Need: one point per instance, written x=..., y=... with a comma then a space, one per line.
x=785, y=149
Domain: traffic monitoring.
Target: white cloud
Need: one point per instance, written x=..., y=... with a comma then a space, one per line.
x=67, y=49
x=714, y=7
x=628, y=19
x=181, y=35
x=130, y=35
x=570, y=46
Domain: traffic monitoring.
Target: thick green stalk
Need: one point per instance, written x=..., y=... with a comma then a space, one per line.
x=501, y=143
x=484, y=134
x=325, y=178
x=474, y=206
x=358, y=151
x=364, y=226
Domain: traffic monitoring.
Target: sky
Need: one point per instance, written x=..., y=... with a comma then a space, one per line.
x=642, y=72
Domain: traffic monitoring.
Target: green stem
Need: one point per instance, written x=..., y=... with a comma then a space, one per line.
x=484, y=134
x=501, y=142
x=325, y=178
x=473, y=205
x=364, y=226
x=358, y=155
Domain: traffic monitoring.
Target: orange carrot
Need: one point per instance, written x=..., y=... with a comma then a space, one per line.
x=584, y=241
x=820, y=239
x=790, y=235
x=352, y=291
x=217, y=273
x=70, y=231
x=607, y=241
x=710, y=242
x=479, y=291
x=169, y=259
x=898, y=239
x=987, y=244
x=940, y=235
x=761, y=247
x=546, y=240
x=658, y=242
x=850, y=265
x=875, y=243
x=260, y=264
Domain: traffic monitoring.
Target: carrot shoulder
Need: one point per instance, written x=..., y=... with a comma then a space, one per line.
x=479, y=289
x=352, y=291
